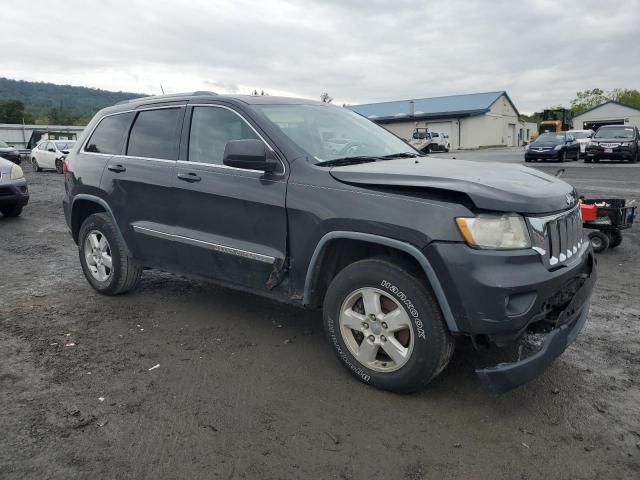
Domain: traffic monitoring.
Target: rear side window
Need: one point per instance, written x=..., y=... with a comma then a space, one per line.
x=155, y=134
x=211, y=129
x=110, y=134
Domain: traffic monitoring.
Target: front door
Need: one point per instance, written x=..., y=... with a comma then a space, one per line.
x=230, y=222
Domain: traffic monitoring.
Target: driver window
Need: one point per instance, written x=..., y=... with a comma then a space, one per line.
x=211, y=129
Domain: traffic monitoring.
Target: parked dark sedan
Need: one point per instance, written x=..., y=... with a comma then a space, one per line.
x=9, y=152
x=614, y=142
x=14, y=193
x=557, y=146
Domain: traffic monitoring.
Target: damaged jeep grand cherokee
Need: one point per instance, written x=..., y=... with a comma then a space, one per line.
x=316, y=206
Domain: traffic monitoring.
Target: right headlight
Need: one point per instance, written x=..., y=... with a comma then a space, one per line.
x=15, y=173
x=494, y=231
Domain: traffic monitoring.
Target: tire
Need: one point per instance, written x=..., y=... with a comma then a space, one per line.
x=36, y=167
x=59, y=166
x=527, y=160
x=124, y=273
x=563, y=156
x=421, y=350
x=11, y=211
x=599, y=241
x=577, y=159
x=615, y=238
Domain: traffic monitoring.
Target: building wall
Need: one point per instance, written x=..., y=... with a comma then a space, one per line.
x=498, y=127
x=609, y=111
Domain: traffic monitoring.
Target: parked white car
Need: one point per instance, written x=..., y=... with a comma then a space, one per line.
x=582, y=137
x=50, y=154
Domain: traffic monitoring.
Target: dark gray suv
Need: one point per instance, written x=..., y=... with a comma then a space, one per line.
x=316, y=206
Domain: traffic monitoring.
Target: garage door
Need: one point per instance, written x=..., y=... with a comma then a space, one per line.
x=595, y=124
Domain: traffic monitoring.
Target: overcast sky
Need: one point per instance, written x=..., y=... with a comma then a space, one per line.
x=540, y=52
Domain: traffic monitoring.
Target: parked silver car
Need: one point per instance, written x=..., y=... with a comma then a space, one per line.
x=14, y=193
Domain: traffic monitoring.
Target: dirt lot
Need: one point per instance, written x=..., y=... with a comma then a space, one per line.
x=248, y=388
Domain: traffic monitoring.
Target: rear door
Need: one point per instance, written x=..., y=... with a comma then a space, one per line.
x=230, y=222
x=139, y=182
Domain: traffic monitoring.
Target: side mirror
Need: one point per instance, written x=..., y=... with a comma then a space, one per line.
x=250, y=155
x=51, y=150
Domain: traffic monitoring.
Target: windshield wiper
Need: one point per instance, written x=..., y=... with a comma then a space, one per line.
x=403, y=155
x=347, y=161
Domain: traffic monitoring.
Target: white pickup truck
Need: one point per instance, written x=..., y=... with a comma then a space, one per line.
x=427, y=141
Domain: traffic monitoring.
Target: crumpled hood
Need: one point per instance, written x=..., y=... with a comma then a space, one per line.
x=491, y=186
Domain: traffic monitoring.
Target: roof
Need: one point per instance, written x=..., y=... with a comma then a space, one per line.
x=434, y=107
x=248, y=99
x=606, y=103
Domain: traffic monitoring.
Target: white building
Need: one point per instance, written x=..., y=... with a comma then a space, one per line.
x=27, y=136
x=472, y=121
x=608, y=113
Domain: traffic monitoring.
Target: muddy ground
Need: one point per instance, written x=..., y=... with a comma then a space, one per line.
x=248, y=388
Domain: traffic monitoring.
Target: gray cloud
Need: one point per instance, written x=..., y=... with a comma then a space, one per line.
x=541, y=52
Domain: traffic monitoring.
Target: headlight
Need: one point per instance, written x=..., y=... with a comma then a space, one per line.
x=15, y=173
x=558, y=147
x=496, y=232
x=526, y=148
x=626, y=144
x=592, y=144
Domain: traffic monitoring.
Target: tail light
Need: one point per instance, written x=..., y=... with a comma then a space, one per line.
x=65, y=167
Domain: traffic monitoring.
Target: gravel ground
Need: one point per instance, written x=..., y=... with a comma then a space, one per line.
x=249, y=388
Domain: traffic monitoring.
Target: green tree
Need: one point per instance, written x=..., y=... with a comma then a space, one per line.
x=592, y=98
x=12, y=111
x=326, y=98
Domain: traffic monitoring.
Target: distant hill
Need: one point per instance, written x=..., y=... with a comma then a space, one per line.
x=42, y=101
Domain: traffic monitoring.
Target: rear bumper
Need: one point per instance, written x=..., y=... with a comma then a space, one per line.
x=14, y=193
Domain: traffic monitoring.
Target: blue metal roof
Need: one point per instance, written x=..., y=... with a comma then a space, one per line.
x=435, y=107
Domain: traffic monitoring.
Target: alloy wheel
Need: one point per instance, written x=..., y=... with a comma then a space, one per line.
x=97, y=253
x=376, y=329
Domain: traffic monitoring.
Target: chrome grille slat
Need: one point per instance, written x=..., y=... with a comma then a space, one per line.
x=557, y=237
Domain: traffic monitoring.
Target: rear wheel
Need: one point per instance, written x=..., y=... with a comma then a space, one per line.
x=599, y=241
x=36, y=166
x=615, y=238
x=11, y=210
x=59, y=166
x=385, y=326
x=104, y=258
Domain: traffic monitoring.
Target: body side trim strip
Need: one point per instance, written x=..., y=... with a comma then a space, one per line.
x=201, y=243
x=389, y=242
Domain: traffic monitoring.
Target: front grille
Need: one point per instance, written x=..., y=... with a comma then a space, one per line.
x=557, y=238
x=5, y=192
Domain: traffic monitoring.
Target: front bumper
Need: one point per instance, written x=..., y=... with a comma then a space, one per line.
x=616, y=154
x=14, y=193
x=505, y=296
x=549, y=154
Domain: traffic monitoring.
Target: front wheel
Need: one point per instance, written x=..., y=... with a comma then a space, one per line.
x=385, y=326
x=36, y=166
x=11, y=211
x=103, y=257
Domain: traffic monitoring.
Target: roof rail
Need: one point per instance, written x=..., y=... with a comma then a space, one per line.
x=169, y=95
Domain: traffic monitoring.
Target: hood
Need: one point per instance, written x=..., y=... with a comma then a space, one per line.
x=8, y=150
x=490, y=186
x=612, y=140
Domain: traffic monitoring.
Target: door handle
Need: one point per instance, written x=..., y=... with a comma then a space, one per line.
x=116, y=168
x=189, y=177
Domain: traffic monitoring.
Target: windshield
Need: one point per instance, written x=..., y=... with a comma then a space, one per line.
x=550, y=138
x=329, y=133
x=3, y=145
x=614, y=132
x=547, y=127
x=66, y=145
x=578, y=135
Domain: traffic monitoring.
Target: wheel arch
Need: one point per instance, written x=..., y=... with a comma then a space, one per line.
x=314, y=288
x=84, y=205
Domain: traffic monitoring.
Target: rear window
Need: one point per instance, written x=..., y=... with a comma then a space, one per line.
x=155, y=134
x=109, y=135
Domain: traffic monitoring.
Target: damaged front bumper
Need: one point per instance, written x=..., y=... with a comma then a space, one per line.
x=507, y=376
